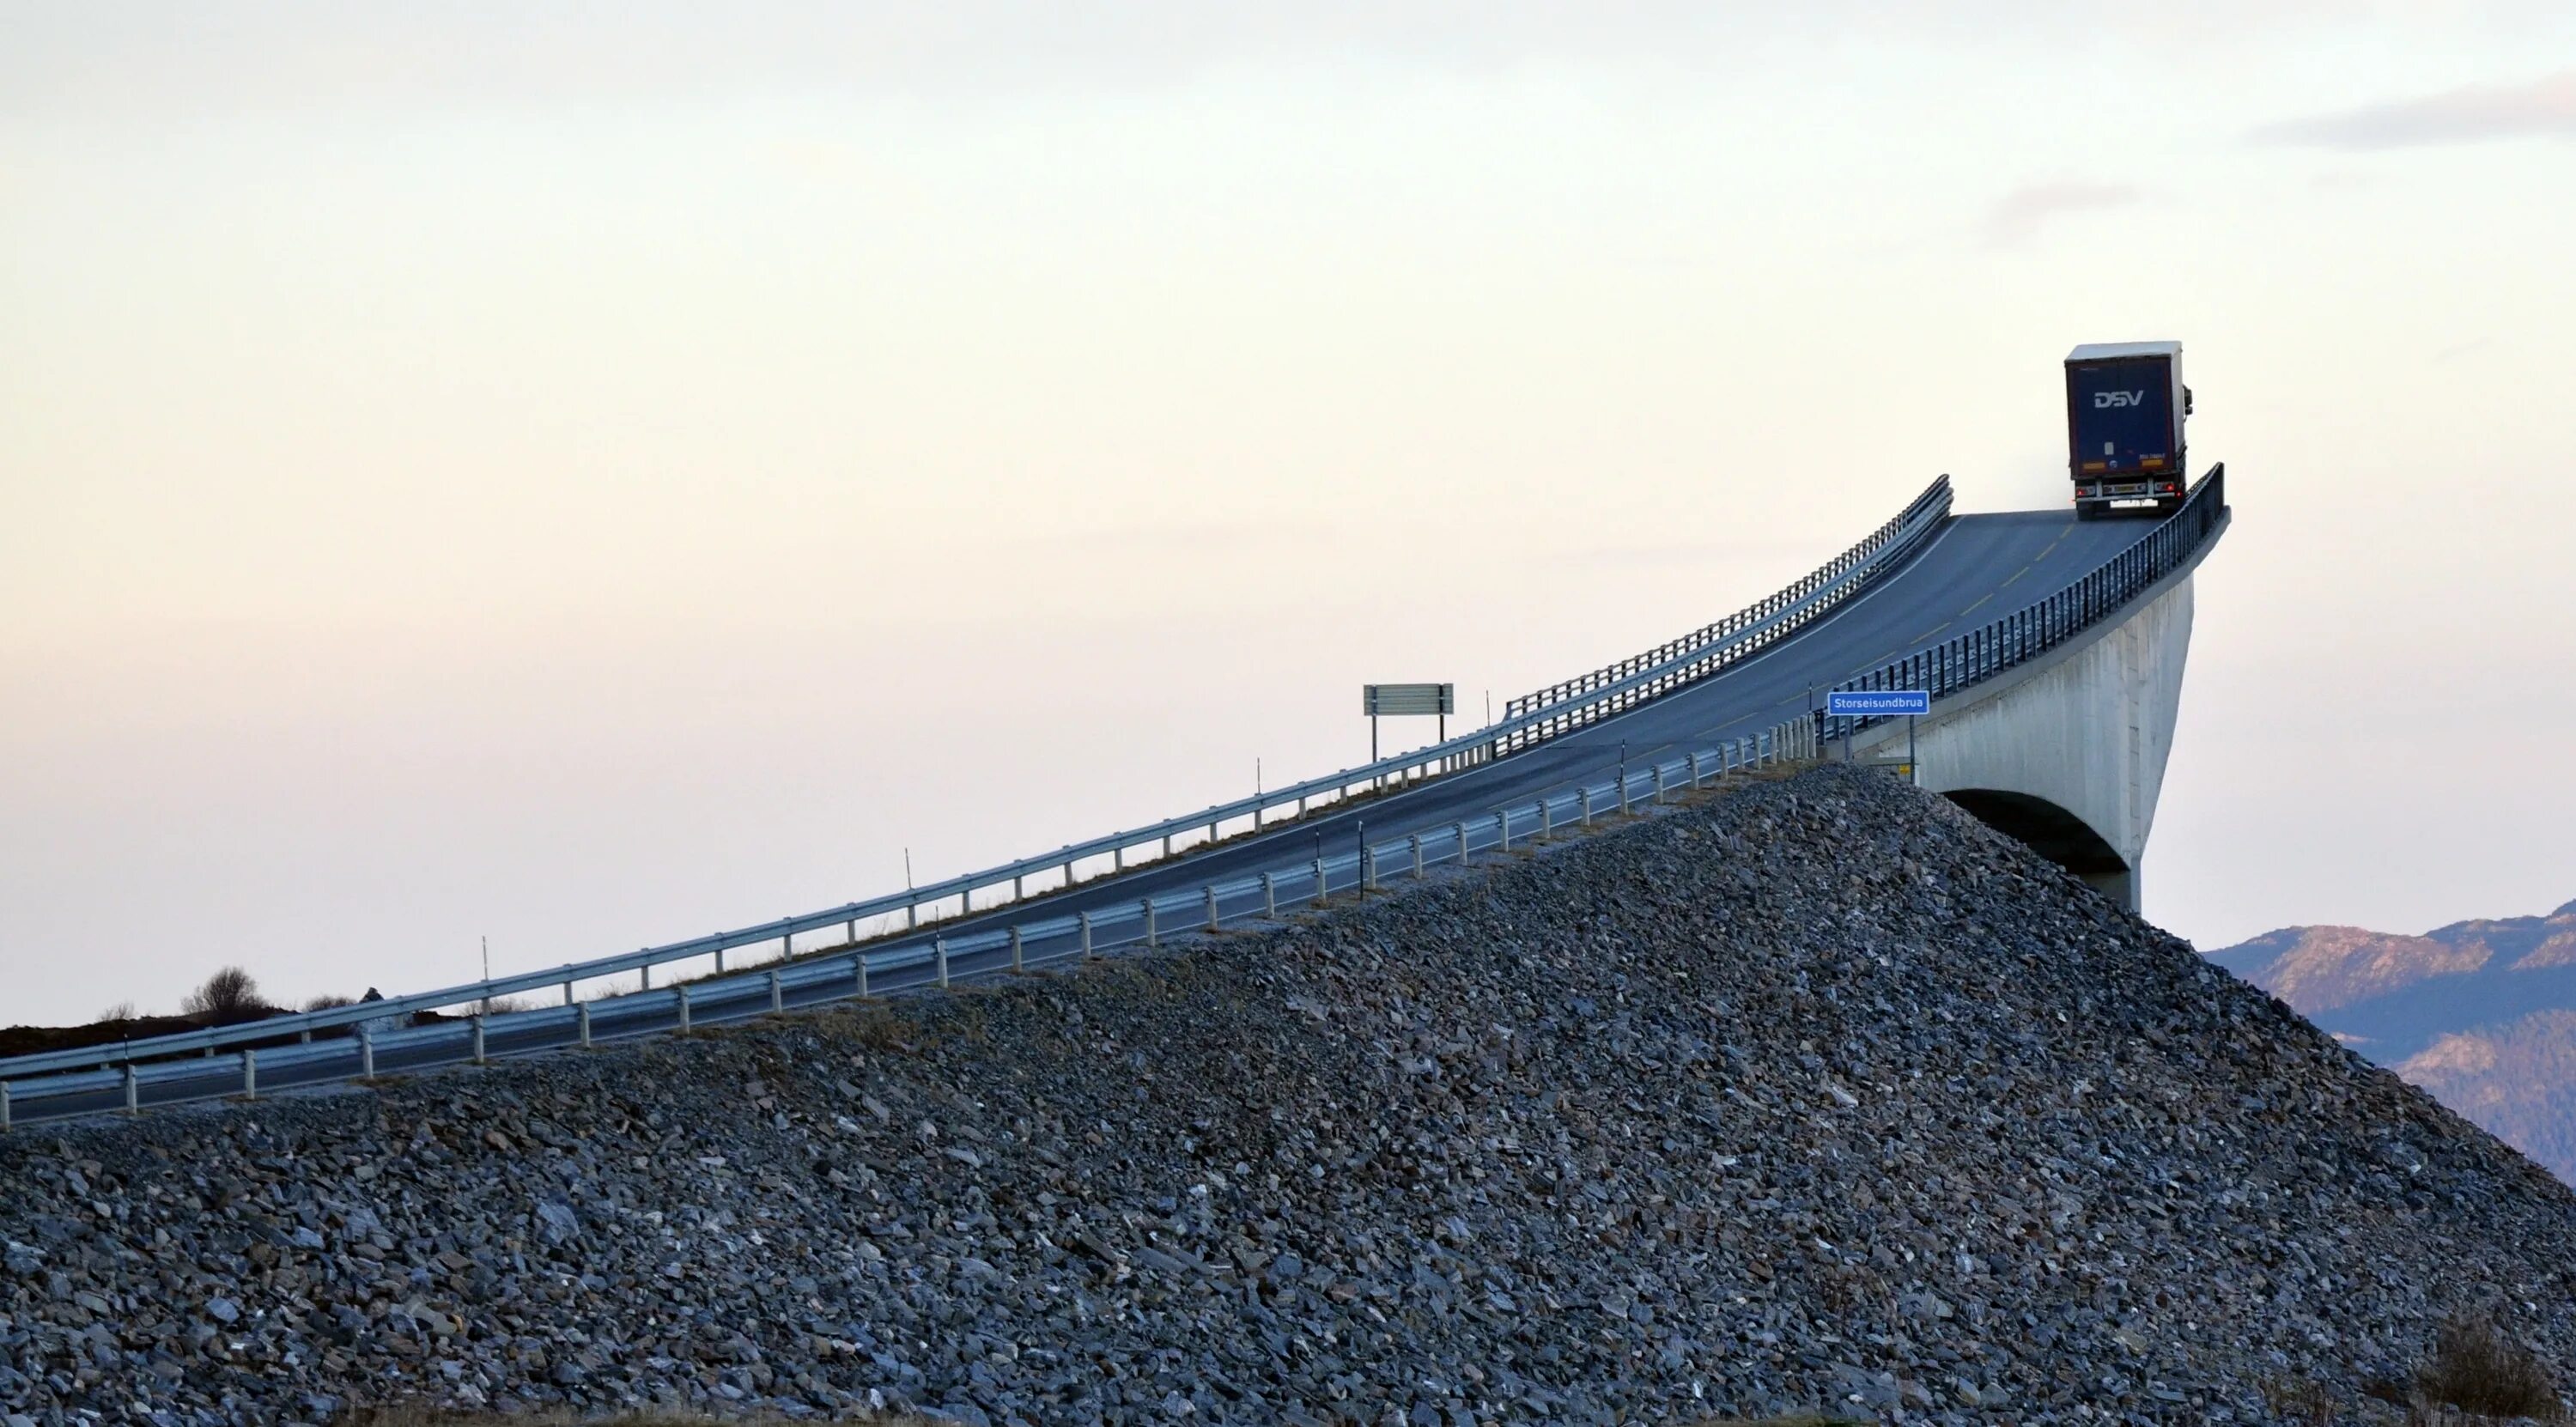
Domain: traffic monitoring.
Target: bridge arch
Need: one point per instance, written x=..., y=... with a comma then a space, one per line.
x=2056, y=834
x=2067, y=752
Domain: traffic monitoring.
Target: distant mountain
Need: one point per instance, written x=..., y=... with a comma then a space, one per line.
x=2480, y=1013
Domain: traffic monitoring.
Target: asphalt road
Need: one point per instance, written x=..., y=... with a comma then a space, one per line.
x=1973, y=569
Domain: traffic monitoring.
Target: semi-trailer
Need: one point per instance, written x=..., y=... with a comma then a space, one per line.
x=2125, y=409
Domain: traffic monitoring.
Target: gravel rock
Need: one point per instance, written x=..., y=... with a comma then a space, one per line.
x=1818, y=1095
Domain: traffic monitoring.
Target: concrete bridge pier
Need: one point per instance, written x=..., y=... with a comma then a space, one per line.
x=2067, y=753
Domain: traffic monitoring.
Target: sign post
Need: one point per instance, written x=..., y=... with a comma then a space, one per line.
x=1850, y=704
x=1407, y=700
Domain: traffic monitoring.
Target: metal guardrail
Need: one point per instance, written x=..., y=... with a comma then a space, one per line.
x=1956, y=664
x=2017, y=638
x=1711, y=649
x=861, y=973
x=1524, y=724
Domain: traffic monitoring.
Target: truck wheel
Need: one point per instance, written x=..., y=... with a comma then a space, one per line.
x=2087, y=512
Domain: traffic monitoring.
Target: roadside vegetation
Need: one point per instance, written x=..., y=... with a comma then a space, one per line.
x=2475, y=1374
x=2479, y=1373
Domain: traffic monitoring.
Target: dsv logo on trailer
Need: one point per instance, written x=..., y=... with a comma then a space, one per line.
x=2102, y=399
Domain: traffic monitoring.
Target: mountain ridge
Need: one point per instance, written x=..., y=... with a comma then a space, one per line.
x=2479, y=1012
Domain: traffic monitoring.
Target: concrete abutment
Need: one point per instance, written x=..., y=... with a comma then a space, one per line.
x=2067, y=753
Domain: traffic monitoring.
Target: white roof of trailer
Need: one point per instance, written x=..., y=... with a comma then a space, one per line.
x=2103, y=351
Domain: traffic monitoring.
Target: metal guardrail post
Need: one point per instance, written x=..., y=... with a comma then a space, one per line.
x=1084, y=918
x=1587, y=806
x=4, y=1107
x=367, y=1046
x=1209, y=892
x=1460, y=829
x=1546, y=817
x=567, y=993
x=859, y=971
x=720, y=951
x=1017, y=964
x=1660, y=790
x=684, y=1025
x=131, y=1107
x=1151, y=940
x=645, y=979
x=1269, y=896
x=939, y=955
x=1698, y=780
x=1503, y=829
x=250, y=1073
x=1368, y=868
x=583, y=1015
x=777, y=995
x=1414, y=843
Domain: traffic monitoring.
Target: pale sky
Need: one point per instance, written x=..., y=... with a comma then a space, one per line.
x=597, y=474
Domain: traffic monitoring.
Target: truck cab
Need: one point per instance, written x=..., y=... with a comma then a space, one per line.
x=2125, y=409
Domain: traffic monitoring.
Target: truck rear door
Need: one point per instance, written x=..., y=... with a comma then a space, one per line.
x=2120, y=418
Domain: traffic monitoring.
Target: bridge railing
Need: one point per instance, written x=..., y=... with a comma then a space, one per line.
x=1030, y=943
x=1711, y=649
x=1527, y=721
x=2026, y=634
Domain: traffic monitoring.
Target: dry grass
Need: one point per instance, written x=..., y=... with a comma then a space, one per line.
x=1807, y=1419
x=409, y=1416
x=2477, y=1372
x=660, y=1417
x=2299, y=1402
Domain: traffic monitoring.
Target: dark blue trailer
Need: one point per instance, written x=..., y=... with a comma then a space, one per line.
x=2125, y=408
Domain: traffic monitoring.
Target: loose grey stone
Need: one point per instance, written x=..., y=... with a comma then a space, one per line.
x=1820, y=1095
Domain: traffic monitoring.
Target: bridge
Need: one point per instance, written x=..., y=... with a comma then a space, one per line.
x=2053, y=649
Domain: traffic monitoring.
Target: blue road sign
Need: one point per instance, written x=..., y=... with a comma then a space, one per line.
x=1877, y=703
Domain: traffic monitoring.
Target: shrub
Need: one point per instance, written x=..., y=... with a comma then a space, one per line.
x=227, y=994
x=117, y=1014
x=328, y=1003
x=2477, y=1369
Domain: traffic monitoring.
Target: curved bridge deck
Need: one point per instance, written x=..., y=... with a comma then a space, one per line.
x=1970, y=570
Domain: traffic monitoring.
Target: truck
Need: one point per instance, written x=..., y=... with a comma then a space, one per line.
x=2125, y=408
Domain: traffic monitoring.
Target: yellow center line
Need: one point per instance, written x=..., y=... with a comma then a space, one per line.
x=2042, y=555
x=1972, y=609
x=2015, y=575
x=1932, y=632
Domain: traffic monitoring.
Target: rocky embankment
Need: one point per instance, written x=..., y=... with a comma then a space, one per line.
x=1821, y=1095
